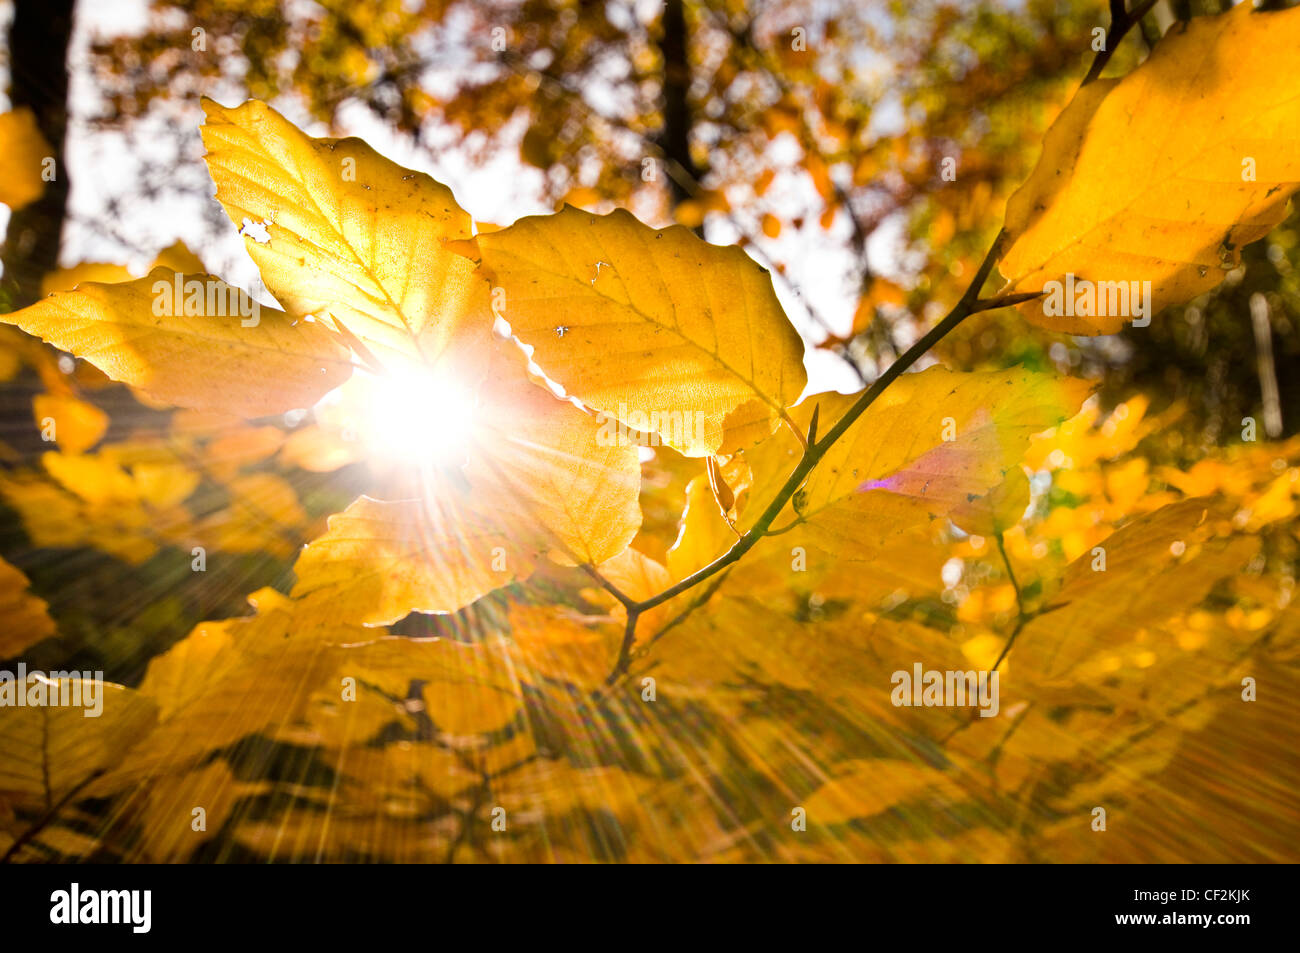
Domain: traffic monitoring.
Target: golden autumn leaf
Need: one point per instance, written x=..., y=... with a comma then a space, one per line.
x=23, y=153
x=207, y=357
x=75, y=424
x=263, y=514
x=47, y=751
x=167, y=809
x=349, y=234
x=997, y=510
x=539, y=461
x=863, y=788
x=230, y=679
x=26, y=619
x=932, y=442
x=466, y=689
x=907, y=566
x=550, y=642
x=380, y=561
x=654, y=328
x=1176, y=557
x=67, y=279
x=1161, y=176
x=176, y=256
x=703, y=532
x=124, y=508
x=317, y=450
x=729, y=650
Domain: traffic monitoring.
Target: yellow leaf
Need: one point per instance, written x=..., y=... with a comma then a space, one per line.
x=167, y=810
x=547, y=467
x=351, y=233
x=97, y=479
x=241, y=446
x=176, y=257
x=264, y=513
x=1164, y=175
x=380, y=561
x=655, y=328
x=206, y=362
x=23, y=150
x=1153, y=568
x=551, y=642
x=47, y=750
x=864, y=788
x=230, y=679
x=317, y=450
x=929, y=443
x=640, y=577
x=467, y=689
x=66, y=279
x=997, y=510
x=170, y=680
x=78, y=425
x=54, y=517
x=703, y=534
x=24, y=619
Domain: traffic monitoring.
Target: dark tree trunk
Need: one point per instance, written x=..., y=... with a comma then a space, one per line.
x=674, y=138
x=38, y=58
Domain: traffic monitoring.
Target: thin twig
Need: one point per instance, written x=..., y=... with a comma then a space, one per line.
x=1011, y=575
x=622, y=666
x=1120, y=24
x=625, y=648
x=627, y=601
x=1021, y=615
x=678, y=619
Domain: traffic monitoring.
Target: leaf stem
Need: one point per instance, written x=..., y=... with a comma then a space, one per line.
x=1021, y=615
x=1011, y=575
x=627, y=601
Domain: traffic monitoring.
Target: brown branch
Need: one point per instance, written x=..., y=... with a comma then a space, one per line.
x=1120, y=24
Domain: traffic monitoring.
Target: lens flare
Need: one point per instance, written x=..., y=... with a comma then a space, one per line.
x=417, y=418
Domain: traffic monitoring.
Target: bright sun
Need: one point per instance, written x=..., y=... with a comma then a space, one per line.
x=417, y=419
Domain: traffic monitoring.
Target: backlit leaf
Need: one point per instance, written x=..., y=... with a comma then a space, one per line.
x=201, y=360
x=351, y=234
x=657, y=329
x=1164, y=175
